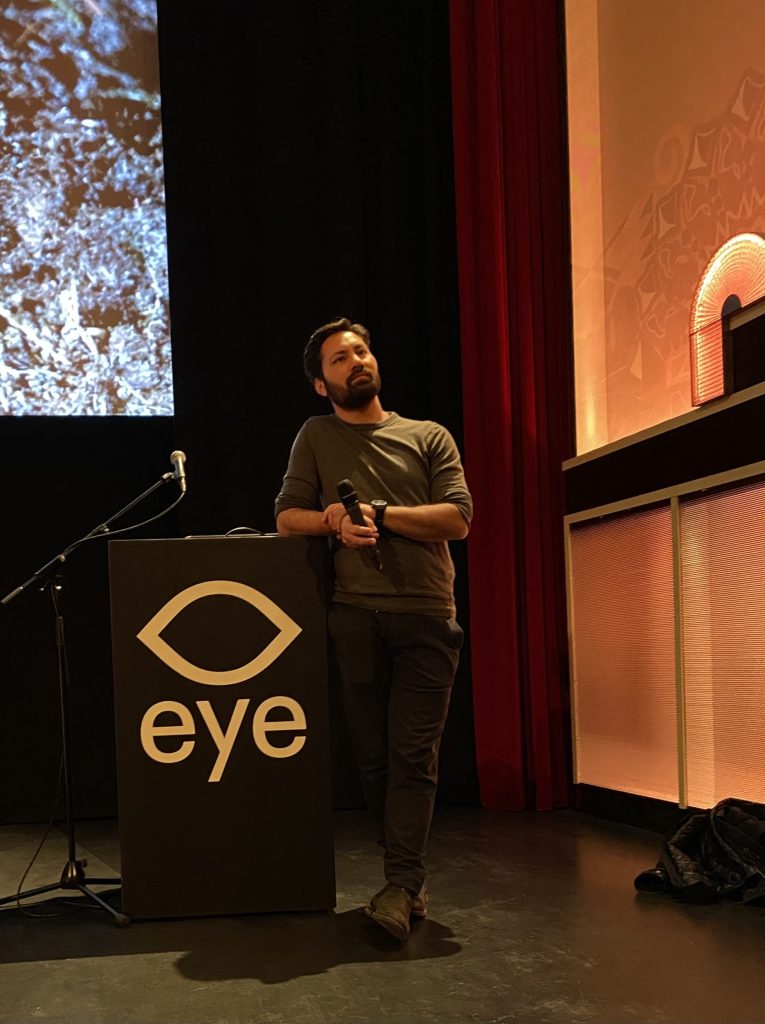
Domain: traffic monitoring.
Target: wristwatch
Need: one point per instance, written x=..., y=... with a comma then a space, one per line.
x=379, y=505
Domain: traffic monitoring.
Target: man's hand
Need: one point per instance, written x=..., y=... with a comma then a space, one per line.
x=354, y=536
x=333, y=515
x=337, y=519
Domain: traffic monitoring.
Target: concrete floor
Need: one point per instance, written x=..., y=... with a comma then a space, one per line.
x=533, y=919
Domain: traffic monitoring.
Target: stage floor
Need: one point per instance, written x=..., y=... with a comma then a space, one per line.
x=533, y=918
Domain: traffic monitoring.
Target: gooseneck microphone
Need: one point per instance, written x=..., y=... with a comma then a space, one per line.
x=178, y=460
x=350, y=501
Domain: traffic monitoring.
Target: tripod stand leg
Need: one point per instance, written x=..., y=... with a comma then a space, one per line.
x=120, y=919
x=73, y=877
x=29, y=892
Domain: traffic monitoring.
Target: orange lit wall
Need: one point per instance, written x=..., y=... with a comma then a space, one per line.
x=667, y=631
x=667, y=149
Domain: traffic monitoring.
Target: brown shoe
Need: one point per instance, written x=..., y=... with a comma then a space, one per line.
x=420, y=904
x=392, y=908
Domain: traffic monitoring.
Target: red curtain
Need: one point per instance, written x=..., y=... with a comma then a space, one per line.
x=513, y=251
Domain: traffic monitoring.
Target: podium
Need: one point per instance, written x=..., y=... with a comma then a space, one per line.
x=223, y=766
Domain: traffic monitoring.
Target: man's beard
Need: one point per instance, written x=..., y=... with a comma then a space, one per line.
x=358, y=393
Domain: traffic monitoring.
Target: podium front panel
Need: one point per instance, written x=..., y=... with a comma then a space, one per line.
x=223, y=764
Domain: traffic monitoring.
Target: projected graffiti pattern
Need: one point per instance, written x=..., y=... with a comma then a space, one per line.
x=83, y=282
x=708, y=185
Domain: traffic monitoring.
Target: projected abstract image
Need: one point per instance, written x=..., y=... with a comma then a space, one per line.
x=84, y=327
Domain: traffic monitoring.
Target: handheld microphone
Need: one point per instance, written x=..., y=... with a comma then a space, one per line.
x=178, y=460
x=350, y=500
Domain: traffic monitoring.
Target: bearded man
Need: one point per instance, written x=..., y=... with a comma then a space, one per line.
x=392, y=618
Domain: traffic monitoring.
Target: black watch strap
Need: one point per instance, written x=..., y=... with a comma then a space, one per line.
x=379, y=505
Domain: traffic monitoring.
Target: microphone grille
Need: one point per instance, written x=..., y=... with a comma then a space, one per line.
x=345, y=489
x=178, y=455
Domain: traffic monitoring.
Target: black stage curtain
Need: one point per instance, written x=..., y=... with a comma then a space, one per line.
x=309, y=174
x=62, y=476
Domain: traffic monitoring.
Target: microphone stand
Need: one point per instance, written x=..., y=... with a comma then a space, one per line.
x=51, y=575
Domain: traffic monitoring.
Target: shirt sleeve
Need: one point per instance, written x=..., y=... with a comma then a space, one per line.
x=447, y=477
x=301, y=485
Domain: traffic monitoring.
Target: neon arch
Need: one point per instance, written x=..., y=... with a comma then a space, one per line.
x=737, y=270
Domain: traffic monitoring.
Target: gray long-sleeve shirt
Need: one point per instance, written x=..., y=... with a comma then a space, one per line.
x=406, y=462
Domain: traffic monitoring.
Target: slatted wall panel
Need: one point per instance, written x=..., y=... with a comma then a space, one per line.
x=623, y=653
x=723, y=600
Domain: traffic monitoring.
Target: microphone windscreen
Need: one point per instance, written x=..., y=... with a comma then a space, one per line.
x=345, y=490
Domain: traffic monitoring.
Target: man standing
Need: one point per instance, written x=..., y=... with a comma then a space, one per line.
x=392, y=619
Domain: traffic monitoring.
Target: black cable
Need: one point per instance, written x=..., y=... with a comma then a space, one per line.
x=73, y=910
x=125, y=529
x=40, y=845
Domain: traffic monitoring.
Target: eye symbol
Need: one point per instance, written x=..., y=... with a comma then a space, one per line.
x=288, y=630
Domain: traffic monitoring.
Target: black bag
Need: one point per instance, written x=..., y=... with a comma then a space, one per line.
x=713, y=854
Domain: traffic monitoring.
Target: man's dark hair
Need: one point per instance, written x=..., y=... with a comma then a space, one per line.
x=312, y=353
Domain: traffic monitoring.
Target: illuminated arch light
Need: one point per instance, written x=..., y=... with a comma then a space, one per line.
x=737, y=268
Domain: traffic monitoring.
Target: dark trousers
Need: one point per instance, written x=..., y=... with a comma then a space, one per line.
x=397, y=672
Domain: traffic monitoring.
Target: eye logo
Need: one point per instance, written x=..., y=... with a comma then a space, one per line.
x=288, y=631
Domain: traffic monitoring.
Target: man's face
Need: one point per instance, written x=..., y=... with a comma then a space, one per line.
x=351, y=379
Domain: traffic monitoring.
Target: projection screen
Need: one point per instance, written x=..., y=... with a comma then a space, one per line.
x=84, y=326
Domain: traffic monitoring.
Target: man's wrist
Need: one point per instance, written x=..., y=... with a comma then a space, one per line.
x=379, y=505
